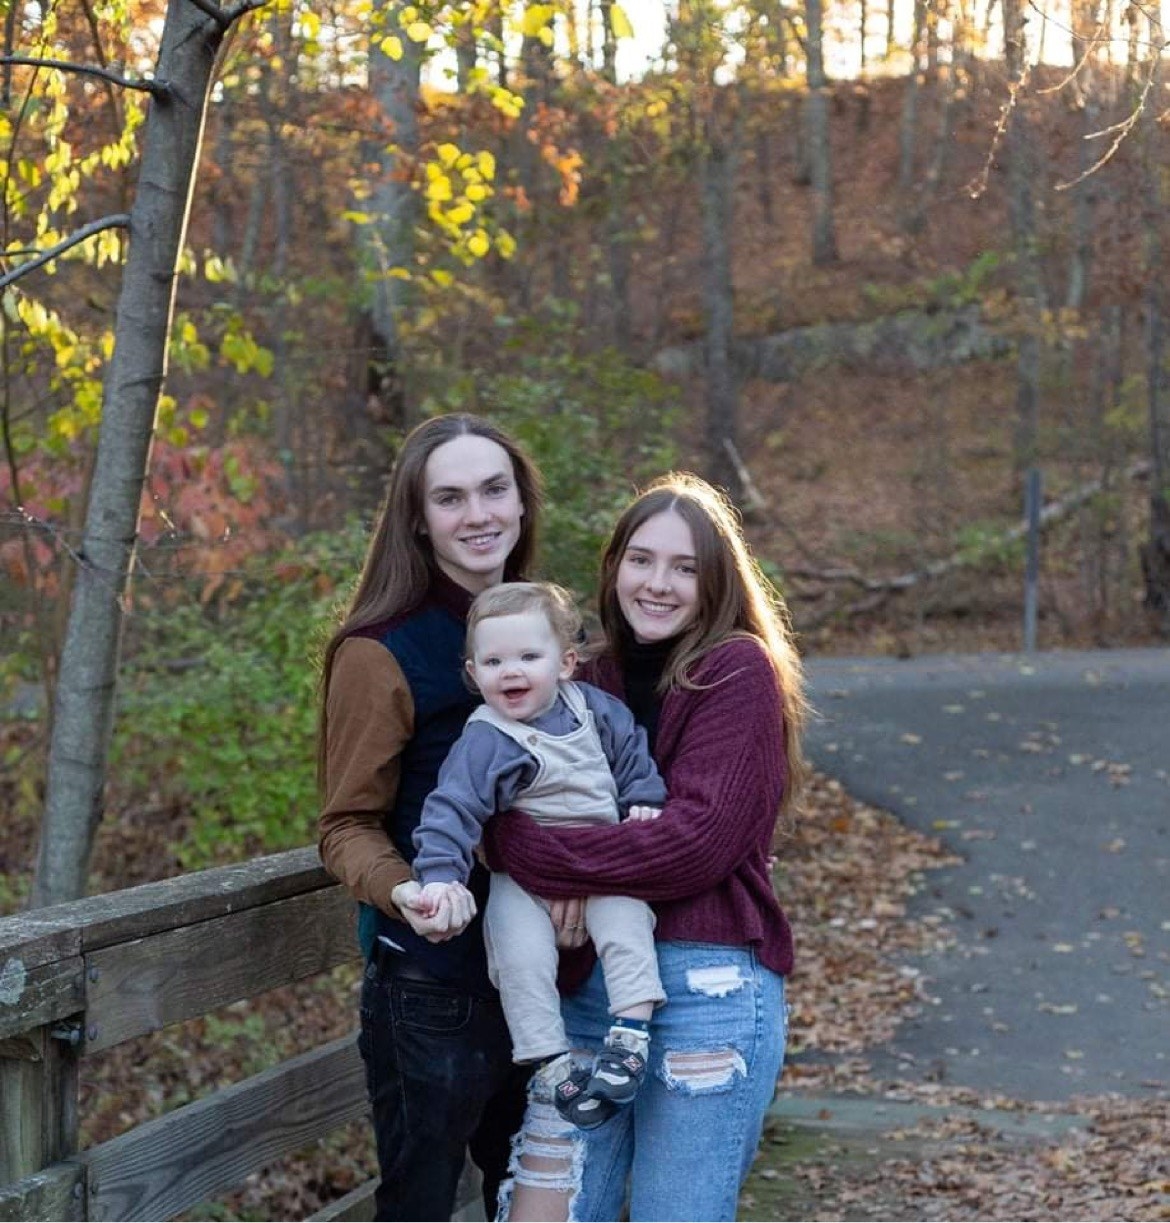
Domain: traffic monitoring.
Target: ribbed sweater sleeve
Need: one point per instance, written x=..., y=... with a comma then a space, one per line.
x=721, y=751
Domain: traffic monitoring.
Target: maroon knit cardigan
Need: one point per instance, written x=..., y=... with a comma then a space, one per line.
x=703, y=864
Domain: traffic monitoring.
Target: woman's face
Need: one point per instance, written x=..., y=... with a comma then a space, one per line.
x=471, y=510
x=657, y=578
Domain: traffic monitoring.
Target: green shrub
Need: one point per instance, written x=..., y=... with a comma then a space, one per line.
x=596, y=424
x=217, y=708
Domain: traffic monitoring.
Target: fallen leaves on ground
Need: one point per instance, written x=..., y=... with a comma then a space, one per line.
x=844, y=878
x=1117, y=1167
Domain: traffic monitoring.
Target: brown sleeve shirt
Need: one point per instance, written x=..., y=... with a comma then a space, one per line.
x=369, y=718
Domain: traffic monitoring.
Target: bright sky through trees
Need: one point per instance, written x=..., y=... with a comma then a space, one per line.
x=1048, y=33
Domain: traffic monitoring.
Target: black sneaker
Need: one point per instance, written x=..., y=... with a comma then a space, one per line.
x=617, y=1074
x=575, y=1103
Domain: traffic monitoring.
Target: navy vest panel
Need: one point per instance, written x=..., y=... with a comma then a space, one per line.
x=428, y=646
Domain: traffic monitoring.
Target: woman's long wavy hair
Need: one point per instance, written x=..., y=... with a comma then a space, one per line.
x=399, y=559
x=734, y=599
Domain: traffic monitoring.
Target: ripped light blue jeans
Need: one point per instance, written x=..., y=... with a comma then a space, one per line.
x=684, y=1147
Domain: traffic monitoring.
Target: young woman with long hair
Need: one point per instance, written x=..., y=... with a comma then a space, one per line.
x=698, y=645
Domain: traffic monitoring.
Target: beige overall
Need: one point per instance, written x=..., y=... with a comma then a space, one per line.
x=573, y=786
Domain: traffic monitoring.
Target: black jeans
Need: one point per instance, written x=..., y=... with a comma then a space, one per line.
x=441, y=1083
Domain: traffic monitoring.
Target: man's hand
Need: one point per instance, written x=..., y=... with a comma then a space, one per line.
x=642, y=812
x=437, y=912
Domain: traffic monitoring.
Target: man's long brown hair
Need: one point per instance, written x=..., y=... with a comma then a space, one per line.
x=735, y=599
x=399, y=559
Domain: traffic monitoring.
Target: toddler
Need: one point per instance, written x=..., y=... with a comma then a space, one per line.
x=561, y=751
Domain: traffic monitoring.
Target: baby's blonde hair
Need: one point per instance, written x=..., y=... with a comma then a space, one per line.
x=517, y=598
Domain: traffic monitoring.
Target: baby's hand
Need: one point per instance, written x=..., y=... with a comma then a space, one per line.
x=642, y=812
x=450, y=905
x=431, y=898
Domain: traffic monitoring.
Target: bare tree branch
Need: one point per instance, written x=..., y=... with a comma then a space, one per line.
x=1097, y=40
x=156, y=89
x=100, y=51
x=755, y=501
x=1122, y=130
x=978, y=185
x=120, y=220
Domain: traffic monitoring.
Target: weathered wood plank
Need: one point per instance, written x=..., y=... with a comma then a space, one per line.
x=150, y=908
x=358, y=1205
x=166, y=1166
x=140, y=986
x=34, y=995
x=154, y=907
x=55, y=1193
x=33, y=939
x=38, y=1104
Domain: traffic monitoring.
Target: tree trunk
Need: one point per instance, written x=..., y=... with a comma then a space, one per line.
x=1085, y=17
x=395, y=86
x=1155, y=552
x=274, y=104
x=908, y=132
x=917, y=204
x=668, y=259
x=717, y=171
x=1102, y=464
x=608, y=42
x=618, y=242
x=820, y=158
x=543, y=226
x=1022, y=211
x=1083, y=219
x=466, y=55
x=932, y=38
x=223, y=212
x=764, y=176
x=495, y=23
x=84, y=706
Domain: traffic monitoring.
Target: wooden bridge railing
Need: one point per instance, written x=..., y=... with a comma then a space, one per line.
x=78, y=978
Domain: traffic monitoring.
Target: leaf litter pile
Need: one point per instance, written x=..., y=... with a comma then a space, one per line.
x=845, y=874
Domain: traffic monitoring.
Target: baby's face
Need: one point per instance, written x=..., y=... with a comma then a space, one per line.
x=517, y=662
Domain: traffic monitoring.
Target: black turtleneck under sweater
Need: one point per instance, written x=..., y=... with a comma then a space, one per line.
x=642, y=667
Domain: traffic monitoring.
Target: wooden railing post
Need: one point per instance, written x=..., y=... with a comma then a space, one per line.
x=38, y=1100
x=82, y=977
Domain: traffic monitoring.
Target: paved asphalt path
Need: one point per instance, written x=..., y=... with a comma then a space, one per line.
x=1050, y=775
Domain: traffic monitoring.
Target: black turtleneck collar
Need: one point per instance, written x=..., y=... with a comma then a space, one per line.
x=642, y=666
x=448, y=594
